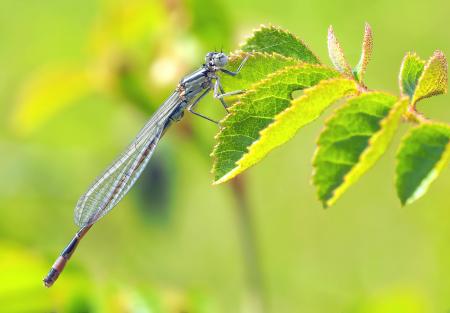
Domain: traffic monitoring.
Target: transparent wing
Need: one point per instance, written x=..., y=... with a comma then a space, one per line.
x=110, y=187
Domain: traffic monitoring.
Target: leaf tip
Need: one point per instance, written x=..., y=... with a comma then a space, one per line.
x=366, y=53
x=331, y=35
x=433, y=80
x=440, y=57
x=228, y=176
x=411, y=69
x=336, y=53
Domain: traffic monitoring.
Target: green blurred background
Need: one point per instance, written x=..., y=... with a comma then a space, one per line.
x=77, y=81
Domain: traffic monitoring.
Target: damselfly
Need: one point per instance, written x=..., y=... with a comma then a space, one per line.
x=109, y=188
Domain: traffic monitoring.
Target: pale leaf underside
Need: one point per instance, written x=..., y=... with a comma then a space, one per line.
x=337, y=54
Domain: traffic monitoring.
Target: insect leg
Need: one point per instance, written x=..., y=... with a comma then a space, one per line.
x=192, y=106
x=238, y=69
x=219, y=93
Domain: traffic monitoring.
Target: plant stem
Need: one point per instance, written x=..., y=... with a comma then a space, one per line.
x=249, y=245
x=414, y=116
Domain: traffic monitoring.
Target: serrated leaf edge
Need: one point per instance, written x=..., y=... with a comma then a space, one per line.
x=440, y=57
x=278, y=29
x=341, y=64
x=339, y=191
x=402, y=68
x=433, y=174
x=306, y=94
x=251, y=90
x=366, y=53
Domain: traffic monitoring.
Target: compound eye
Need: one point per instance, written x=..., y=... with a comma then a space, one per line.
x=208, y=57
x=222, y=60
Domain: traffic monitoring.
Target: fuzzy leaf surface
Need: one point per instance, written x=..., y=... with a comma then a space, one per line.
x=366, y=53
x=423, y=154
x=434, y=78
x=337, y=54
x=354, y=138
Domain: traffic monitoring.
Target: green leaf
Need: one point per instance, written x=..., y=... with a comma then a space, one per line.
x=423, y=154
x=256, y=110
x=285, y=125
x=366, y=53
x=337, y=54
x=47, y=94
x=272, y=39
x=257, y=67
x=354, y=138
x=434, y=78
x=410, y=71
